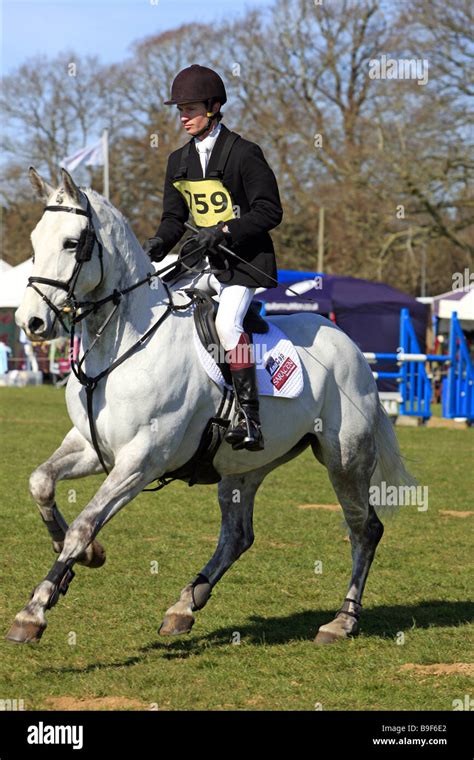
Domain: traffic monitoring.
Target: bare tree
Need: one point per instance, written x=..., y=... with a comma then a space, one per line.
x=50, y=108
x=390, y=159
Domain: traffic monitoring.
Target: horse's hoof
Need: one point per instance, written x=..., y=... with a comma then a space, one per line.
x=94, y=555
x=342, y=627
x=25, y=633
x=327, y=637
x=175, y=624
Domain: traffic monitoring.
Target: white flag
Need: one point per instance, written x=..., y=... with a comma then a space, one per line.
x=91, y=155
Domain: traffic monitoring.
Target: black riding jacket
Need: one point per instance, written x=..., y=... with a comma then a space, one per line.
x=254, y=191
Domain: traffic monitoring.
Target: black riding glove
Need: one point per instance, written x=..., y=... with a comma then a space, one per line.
x=210, y=237
x=154, y=248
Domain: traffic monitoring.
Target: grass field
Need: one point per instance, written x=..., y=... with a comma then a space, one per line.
x=101, y=649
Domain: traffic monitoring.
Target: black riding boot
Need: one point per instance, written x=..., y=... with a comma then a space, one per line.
x=245, y=432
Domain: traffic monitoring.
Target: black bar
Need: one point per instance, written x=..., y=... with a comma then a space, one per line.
x=134, y=734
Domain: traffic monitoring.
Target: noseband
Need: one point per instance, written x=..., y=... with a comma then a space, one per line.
x=85, y=247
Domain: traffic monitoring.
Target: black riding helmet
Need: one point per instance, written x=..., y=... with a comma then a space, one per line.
x=198, y=83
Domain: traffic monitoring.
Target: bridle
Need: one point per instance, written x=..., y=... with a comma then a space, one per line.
x=85, y=247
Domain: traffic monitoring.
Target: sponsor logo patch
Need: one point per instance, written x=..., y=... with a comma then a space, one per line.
x=280, y=368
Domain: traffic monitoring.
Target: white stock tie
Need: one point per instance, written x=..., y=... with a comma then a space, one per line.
x=204, y=152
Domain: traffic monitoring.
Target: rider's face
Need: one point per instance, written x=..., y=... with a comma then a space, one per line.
x=193, y=116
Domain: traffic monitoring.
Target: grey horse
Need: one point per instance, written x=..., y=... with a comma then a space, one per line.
x=151, y=410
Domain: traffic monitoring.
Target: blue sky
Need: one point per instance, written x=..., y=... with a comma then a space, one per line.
x=99, y=27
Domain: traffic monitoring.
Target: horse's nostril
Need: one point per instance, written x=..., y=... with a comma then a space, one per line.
x=35, y=325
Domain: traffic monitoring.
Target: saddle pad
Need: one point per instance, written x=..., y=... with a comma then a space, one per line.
x=279, y=371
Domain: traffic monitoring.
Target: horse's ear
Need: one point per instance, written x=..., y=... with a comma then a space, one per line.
x=70, y=186
x=42, y=189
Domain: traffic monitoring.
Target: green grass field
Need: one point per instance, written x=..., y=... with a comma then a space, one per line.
x=101, y=649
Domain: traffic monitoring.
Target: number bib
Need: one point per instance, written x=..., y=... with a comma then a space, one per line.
x=208, y=200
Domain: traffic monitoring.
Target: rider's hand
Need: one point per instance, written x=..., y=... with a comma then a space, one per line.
x=154, y=248
x=210, y=237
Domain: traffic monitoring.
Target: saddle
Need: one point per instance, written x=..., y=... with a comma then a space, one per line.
x=200, y=469
x=204, y=318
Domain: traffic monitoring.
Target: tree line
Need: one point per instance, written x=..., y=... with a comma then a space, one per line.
x=361, y=107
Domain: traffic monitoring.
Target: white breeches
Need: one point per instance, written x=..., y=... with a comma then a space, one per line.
x=234, y=300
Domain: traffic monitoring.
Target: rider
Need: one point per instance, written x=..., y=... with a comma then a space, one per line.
x=229, y=189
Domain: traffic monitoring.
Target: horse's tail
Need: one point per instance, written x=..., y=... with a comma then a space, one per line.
x=390, y=469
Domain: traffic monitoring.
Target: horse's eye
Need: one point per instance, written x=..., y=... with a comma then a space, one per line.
x=70, y=243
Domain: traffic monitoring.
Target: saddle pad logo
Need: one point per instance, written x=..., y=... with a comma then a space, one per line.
x=280, y=369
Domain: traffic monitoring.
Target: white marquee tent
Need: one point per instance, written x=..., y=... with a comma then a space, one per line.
x=13, y=283
x=4, y=267
x=464, y=307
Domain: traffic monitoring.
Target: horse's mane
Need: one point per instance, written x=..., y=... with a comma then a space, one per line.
x=114, y=225
x=110, y=215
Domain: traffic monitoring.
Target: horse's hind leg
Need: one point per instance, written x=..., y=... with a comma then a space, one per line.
x=75, y=458
x=351, y=483
x=236, y=499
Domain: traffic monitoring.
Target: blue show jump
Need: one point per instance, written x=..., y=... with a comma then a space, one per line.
x=414, y=380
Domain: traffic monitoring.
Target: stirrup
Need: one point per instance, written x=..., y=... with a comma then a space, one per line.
x=250, y=443
x=237, y=432
x=252, y=438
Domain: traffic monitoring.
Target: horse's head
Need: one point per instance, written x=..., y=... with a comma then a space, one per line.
x=67, y=257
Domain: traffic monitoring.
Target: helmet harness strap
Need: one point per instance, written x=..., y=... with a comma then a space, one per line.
x=210, y=118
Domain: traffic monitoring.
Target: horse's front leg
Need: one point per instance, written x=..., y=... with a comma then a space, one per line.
x=75, y=458
x=236, y=500
x=128, y=477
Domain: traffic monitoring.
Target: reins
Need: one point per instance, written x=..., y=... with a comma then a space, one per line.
x=229, y=252
x=90, y=383
x=85, y=248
